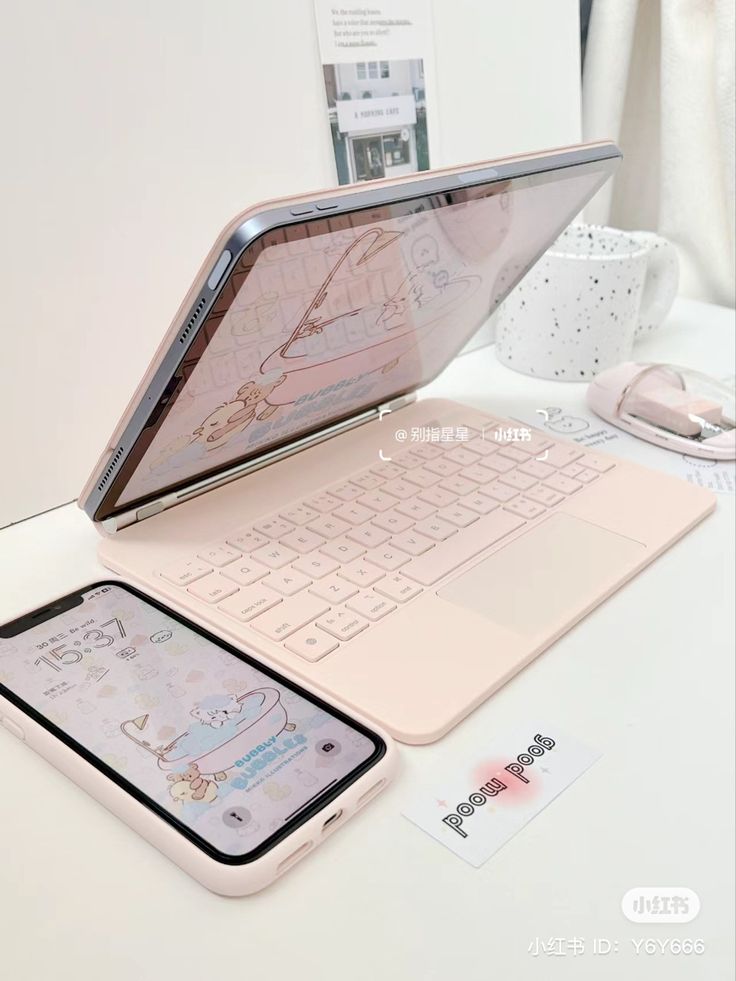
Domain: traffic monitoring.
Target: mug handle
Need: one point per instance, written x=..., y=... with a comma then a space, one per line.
x=660, y=286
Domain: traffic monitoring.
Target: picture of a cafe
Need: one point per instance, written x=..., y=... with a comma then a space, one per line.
x=378, y=119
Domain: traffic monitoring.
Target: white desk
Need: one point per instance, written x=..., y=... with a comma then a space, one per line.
x=647, y=678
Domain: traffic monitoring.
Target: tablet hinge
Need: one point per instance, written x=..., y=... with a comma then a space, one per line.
x=125, y=518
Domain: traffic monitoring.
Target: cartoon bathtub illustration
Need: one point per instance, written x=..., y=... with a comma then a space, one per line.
x=226, y=729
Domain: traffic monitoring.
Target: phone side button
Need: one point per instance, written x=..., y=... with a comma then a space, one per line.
x=13, y=728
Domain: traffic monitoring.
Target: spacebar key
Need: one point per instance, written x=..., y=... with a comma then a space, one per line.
x=448, y=555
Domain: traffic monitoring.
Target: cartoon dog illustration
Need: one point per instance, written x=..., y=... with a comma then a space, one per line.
x=233, y=417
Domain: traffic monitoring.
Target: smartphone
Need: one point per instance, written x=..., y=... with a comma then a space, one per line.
x=230, y=769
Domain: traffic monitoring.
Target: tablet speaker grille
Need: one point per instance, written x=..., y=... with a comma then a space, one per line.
x=192, y=321
x=111, y=466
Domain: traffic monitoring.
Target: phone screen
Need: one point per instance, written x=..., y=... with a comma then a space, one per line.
x=231, y=753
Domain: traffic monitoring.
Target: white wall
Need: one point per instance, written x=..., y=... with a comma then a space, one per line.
x=133, y=132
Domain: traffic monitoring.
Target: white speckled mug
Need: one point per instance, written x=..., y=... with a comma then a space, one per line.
x=578, y=311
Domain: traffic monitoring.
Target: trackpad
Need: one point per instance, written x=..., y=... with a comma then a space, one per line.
x=552, y=574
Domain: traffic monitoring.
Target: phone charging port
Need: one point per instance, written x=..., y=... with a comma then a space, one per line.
x=331, y=820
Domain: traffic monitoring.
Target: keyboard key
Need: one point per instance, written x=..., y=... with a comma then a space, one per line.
x=443, y=467
x=498, y=464
x=426, y=451
x=245, y=572
x=361, y=573
x=368, y=480
x=343, y=624
x=436, y=529
x=513, y=453
x=182, y=573
x=536, y=446
x=273, y=527
x=387, y=558
x=370, y=605
x=598, y=463
x=400, y=488
x=482, y=447
x=246, y=539
x=422, y=477
x=287, y=582
x=480, y=503
x=458, y=485
x=328, y=526
x=290, y=615
x=412, y=543
x=463, y=456
x=398, y=588
x=316, y=565
x=479, y=475
x=324, y=503
x=536, y=469
x=311, y=643
x=519, y=481
x=212, y=588
x=220, y=555
x=499, y=492
x=565, y=485
x=302, y=540
x=387, y=470
x=347, y=491
x=368, y=535
x=274, y=555
x=333, y=589
x=408, y=460
x=543, y=495
x=572, y=470
x=446, y=556
x=525, y=508
x=377, y=501
x=561, y=454
x=342, y=550
x=250, y=602
x=458, y=515
x=416, y=509
x=392, y=521
x=457, y=435
x=438, y=497
x=353, y=514
x=299, y=514
x=587, y=476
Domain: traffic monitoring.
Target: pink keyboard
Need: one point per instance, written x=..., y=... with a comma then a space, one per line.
x=324, y=569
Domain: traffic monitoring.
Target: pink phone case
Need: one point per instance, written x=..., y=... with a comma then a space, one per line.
x=227, y=880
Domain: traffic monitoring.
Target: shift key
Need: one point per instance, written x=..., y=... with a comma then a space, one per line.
x=290, y=615
x=448, y=555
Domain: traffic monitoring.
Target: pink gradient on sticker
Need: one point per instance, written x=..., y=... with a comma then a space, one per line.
x=517, y=792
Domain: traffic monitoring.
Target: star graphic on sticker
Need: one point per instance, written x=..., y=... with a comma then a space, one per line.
x=441, y=803
x=544, y=769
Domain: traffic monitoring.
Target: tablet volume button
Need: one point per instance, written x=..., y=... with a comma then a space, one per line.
x=13, y=728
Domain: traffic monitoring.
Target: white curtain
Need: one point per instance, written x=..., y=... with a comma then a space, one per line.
x=659, y=79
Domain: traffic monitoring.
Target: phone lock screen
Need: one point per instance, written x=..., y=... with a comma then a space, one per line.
x=230, y=752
